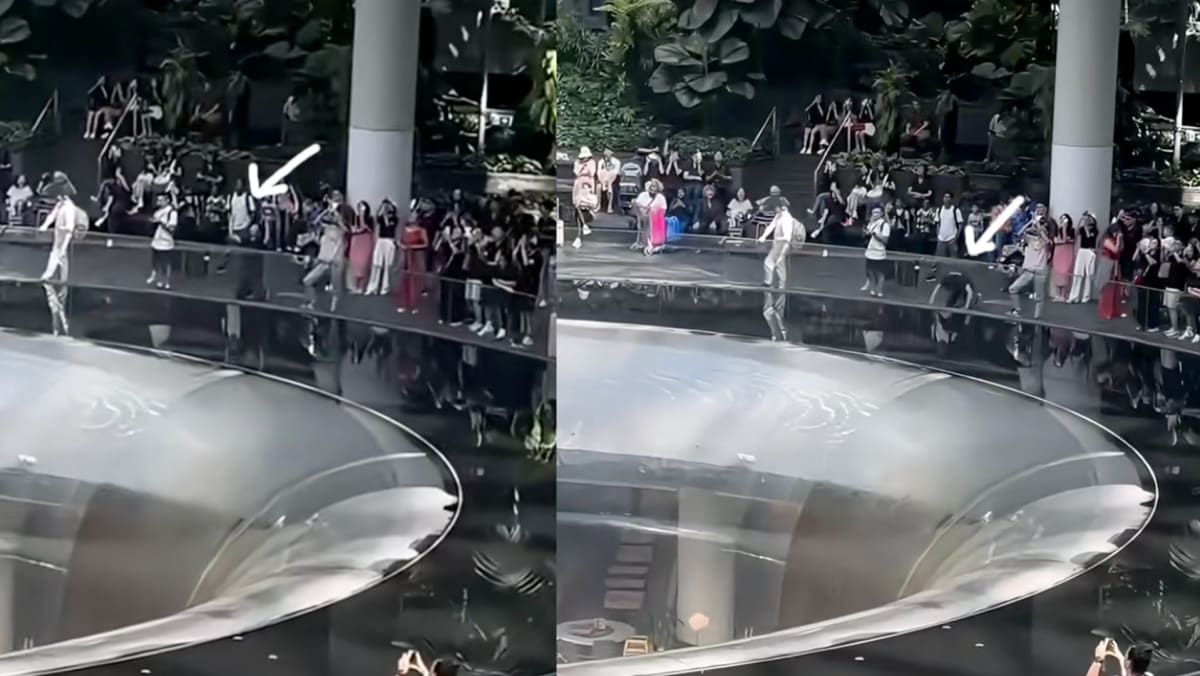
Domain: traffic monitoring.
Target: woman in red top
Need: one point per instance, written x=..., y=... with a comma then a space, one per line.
x=1107, y=290
x=414, y=242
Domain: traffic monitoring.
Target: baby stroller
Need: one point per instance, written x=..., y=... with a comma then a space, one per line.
x=629, y=184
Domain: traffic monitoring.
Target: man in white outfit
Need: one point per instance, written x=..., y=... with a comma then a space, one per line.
x=785, y=230
x=62, y=218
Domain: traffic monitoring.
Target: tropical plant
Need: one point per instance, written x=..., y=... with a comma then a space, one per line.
x=580, y=50
x=15, y=29
x=694, y=69
x=543, y=97
x=182, y=83
x=713, y=54
x=1029, y=102
x=893, y=95
x=593, y=112
x=634, y=21
x=14, y=133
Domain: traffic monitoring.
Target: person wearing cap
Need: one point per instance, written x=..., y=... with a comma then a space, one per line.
x=65, y=217
x=585, y=170
x=785, y=230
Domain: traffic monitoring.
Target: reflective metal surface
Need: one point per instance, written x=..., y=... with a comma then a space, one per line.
x=247, y=499
x=862, y=498
x=181, y=503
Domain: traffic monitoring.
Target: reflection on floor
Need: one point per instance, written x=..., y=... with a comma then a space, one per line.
x=1149, y=396
x=485, y=596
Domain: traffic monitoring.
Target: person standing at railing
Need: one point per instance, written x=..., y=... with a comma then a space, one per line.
x=243, y=211
x=331, y=256
x=383, y=259
x=449, y=252
x=949, y=226
x=1062, y=261
x=814, y=116
x=878, y=232
x=1034, y=270
x=693, y=180
x=1107, y=288
x=607, y=171
x=1083, y=275
x=362, y=247
x=162, y=246
x=414, y=243
x=1147, y=279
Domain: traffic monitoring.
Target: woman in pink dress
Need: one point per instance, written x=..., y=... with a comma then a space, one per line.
x=1062, y=262
x=414, y=245
x=658, y=218
x=362, y=248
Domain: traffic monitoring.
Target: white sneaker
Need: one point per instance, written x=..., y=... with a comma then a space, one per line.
x=474, y=327
x=527, y=341
x=1187, y=335
x=151, y=279
x=1170, y=333
x=577, y=243
x=1196, y=338
x=865, y=287
x=587, y=230
x=487, y=330
x=501, y=334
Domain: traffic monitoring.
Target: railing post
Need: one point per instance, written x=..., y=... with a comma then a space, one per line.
x=775, y=128
x=57, y=116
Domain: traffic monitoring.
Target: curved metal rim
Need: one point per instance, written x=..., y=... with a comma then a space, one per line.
x=430, y=448
x=647, y=665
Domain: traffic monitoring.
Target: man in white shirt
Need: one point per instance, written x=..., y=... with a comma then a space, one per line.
x=949, y=223
x=1034, y=272
x=242, y=209
x=641, y=212
x=878, y=232
x=63, y=218
x=785, y=231
x=162, y=247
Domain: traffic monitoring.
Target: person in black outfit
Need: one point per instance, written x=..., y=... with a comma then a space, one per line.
x=449, y=250
x=1148, y=292
x=710, y=217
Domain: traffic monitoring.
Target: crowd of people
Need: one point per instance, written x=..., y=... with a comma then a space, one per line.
x=484, y=260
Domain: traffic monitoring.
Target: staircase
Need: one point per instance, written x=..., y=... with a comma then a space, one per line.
x=792, y=173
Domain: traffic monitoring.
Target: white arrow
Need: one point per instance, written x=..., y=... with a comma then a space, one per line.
x=274, y=184
x=987, y=242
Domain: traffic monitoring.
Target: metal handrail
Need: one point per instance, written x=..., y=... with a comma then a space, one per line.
x=844, y=124
x=51, y=103
x=772, y=119
x=112, y=135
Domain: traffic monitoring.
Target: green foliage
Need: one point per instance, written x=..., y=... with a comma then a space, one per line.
x=13, y=133
x=16, y=29
x=893, y=95
x=591, y=112
x=579, y=50
x=714, y=54
x=733, y=148
x=866, y=161
x=632, y=21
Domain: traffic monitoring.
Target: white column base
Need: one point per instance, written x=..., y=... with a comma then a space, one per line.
x=380, y=165
x=1081, y=180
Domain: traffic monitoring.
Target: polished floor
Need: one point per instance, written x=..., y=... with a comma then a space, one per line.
x=835, y=272
x=1147, y=396
x=483, y=596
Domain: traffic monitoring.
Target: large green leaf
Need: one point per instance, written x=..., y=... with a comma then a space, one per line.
x=990, y=71
x=934, y=23
x=661, y=81
x=25, y=71
x=696, y=15
x=686, y=97
x=1017, y=52
x=674, y=54
x=13, y=30
x=720, y=25
x=732, y=50
x=763, y=13
x=956, y=31
x=707, y=83
x=75, y=8
x=6, y=5
x=743, y=89
x=799, y=15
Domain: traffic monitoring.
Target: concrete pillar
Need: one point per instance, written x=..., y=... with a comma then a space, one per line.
x=709, y=524
x=1085, y=90
x=383, y=101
